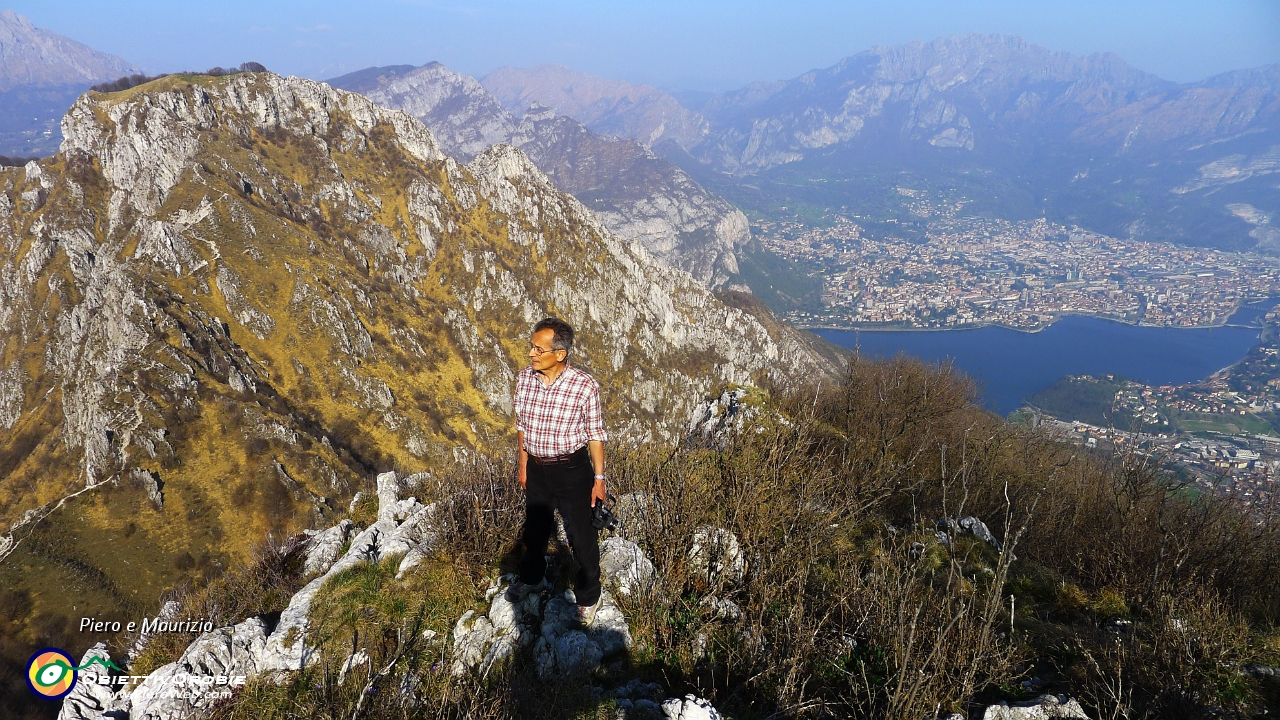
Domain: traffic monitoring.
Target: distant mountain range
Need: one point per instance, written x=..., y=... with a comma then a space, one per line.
x=611, y=107
x=1016, y=129
x=41, y=74
x=636, y=194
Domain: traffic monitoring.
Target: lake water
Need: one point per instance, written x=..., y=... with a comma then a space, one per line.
x=1009, y=364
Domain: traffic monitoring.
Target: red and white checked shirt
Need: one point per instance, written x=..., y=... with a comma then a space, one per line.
x=560, y=418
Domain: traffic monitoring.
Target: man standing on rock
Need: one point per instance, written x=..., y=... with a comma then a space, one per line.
x=560, y=431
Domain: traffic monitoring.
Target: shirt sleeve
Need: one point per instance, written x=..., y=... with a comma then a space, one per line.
x=516, y=406
x=593, y=416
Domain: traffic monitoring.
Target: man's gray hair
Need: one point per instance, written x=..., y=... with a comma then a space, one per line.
x=563, y=338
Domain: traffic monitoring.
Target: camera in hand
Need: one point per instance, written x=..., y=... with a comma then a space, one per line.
x=602, y=518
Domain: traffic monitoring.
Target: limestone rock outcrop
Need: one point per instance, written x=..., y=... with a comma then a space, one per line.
x=690, y=707
x=1045, y=707
x=210, y=665
x=90, y=699
x=220, y=661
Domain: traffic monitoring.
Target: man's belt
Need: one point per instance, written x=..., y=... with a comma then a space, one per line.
x=559, y=459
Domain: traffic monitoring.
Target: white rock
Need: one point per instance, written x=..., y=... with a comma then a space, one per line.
x=623, y=565
x=323, y=548
x=416, y=532
x=229, y=651
x=1044, y=707
x=567, y=653
x=565, y=648
x=716, y=555
x=503, y=647
x=354, y=660
x=287, y=647
x=690, y=707
x=716, y=420
x=471, y=644
x=388, y=495
x=412, y=559
x=979, y=529
x=88, y=699
x=168, y=611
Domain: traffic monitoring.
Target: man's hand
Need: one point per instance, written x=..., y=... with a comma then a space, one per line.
x=521, y=471
x=596, y=449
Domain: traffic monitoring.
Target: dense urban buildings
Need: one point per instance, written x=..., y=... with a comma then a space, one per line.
x=968, y=271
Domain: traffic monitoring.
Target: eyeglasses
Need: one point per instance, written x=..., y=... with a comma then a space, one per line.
x=539, y=352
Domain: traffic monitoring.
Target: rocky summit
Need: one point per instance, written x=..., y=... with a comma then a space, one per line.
x=228, y=301
x=636, y=194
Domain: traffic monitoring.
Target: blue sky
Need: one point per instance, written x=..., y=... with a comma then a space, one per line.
x=683, y=44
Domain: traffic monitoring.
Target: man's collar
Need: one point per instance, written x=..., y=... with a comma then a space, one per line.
x=557, y=377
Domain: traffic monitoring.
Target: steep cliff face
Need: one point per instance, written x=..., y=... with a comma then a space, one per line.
x=227, y=301
x=464, y=118
x=637, y=195
x=611, y=107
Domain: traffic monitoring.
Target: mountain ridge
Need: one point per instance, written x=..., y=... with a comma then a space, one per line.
x=609, y=107
x=637, y=194
x=1014, y=129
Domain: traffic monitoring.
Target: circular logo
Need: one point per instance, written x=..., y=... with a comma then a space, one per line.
x=51, y=673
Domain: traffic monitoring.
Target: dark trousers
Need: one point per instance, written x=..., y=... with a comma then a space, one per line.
x=567, y=488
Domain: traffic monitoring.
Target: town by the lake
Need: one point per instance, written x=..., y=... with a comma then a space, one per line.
x=1220, y=432
x=969, y=271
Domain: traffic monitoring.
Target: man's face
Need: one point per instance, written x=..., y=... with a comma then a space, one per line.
x=541, y=356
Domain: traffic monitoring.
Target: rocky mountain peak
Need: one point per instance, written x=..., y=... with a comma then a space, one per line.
x=636, y=194
x=949, y=93
x=538, y=112
x=435, y=91
x=31, y=56
x=1265, y=78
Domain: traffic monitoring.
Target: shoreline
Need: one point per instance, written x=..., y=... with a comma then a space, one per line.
x=1226, y=322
